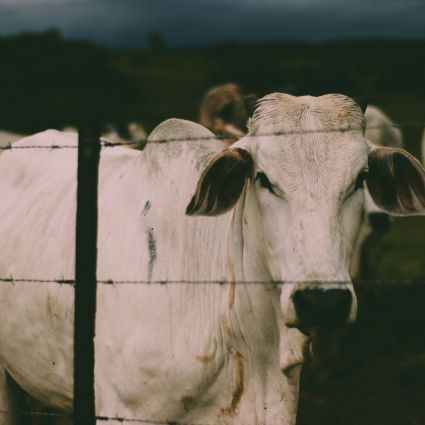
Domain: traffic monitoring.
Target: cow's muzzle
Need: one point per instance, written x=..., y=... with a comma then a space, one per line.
x=322, y=308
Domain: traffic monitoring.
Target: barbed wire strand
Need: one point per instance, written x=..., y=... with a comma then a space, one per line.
x=99, y=418
x=144, y=421
x=358, y=282
x=143, y=142
x=34, y=413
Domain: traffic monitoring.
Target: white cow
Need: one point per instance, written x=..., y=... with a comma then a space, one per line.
x=380, y=129
x=269, y=209
x=130, y=133
x=381, y=132
x=223, y=113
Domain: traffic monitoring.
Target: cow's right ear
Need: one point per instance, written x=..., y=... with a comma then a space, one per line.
x=396, y=182
x=222, y=183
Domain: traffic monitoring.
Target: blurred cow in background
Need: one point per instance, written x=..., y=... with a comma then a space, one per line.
x=132, y=133
x=7, y=138
x=380, y=131
x=223, y=112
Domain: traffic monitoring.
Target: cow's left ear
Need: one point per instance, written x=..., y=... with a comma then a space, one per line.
x=396, y=181
x=222, y=182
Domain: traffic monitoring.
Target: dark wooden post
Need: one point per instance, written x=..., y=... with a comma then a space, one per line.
x=85, y=275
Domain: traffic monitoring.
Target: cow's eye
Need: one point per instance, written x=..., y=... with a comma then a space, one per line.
x=264, y=181
x=360, y=180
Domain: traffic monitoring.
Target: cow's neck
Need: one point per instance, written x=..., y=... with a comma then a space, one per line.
x=251, y=319
x=259, y=294
x=252, y=297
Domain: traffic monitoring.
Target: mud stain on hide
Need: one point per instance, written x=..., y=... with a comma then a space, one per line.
x=225, y=324
x=239, y=387
x=152, y=251
x=232, y=289
x=52, y=308
x=231, y=279
x=146, y=208
x=205, y=358
x=188, y=403
x=208, y=357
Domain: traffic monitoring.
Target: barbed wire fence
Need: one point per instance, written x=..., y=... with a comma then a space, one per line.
x=105, y=143
x=277, y=283
x=85, y=281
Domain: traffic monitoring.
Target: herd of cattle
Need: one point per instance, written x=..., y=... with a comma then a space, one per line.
x=262, y=223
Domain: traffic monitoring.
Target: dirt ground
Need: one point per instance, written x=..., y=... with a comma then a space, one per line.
x=374, y=372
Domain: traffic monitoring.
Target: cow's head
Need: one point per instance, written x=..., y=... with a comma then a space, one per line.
x=306, y=163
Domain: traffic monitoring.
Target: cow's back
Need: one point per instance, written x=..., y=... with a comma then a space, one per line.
x=38, y=200
x=143, y=236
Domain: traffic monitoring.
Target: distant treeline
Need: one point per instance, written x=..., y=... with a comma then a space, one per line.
x=48, y=81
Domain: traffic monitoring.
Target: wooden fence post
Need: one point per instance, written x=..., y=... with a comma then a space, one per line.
x=85, y=275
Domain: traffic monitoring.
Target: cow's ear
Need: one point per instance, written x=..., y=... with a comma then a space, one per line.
x=222, y=182
x=396, y=181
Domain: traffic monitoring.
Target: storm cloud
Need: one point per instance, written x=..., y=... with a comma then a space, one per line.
x=193, y=22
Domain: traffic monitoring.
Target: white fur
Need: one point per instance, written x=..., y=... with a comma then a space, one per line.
x=200, y=353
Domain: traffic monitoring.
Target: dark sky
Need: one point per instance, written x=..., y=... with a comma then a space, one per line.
x=127, y=22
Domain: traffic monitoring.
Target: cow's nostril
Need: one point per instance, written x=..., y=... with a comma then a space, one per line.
x=380, y=222
x=322, y=308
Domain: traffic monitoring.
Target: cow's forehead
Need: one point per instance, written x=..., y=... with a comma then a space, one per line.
x=317, y=138
x=283, y=113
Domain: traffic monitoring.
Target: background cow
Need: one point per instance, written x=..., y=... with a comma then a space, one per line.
x=380, y=131
x=262, y=212
x=132, y=132
x=7, y=137
x=222, y=111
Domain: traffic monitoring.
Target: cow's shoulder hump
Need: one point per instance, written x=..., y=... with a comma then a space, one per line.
x=178, y=129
